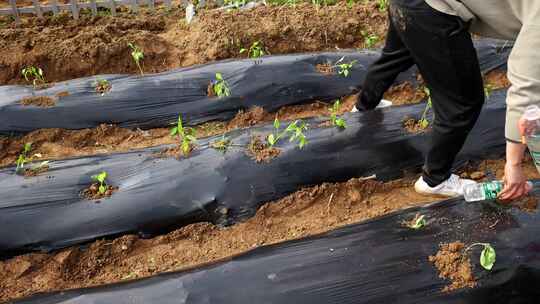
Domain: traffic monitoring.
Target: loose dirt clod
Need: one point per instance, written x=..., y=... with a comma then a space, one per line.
x=412, y=125
x=103, y=87
x=454, y=265
x=62, y=94
x=405, y=93
x=248, y=118
x=175, y=152
x=260, y=151
x=325, y=68
x=38, y=101
x=92, y=192
x=29, y=172
x=210, y=90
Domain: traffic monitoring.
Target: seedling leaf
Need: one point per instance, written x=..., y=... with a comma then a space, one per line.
x=271, y=139
x=419, y=222
x=488, y=257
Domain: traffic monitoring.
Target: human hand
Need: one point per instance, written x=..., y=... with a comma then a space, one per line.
x=515, y=183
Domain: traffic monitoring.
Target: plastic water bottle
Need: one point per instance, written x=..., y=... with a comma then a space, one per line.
x=529, y=127
x=482, y=191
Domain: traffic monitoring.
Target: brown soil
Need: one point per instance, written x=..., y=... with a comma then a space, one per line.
x=210, y=90
x=306, y=212
x=65, y=48
x=30, y=172
x=62, y=94
x=59, y=143
x=39, y=101
x=103, y=87
x=496, y=80
x=405, y=93
x=325, y=68
x=92, y=192
x=412, y=125
x=260, y=151
x=454, y=266
x=175, y=152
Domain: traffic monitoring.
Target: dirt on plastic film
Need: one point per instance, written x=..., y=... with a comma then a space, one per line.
x=66, y=48
x=39, y=101
x=309, y=211
x=454, y=265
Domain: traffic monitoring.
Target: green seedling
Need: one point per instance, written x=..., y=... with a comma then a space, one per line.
x=370, y=39
x=274, y=137
x=323, y=2
x=23, y=157
x=383, y=5
x=33, y=73
x=337, y=122
x=222, y=144
x=102, y=86
x=137, y=54
x=424, y=122
x=487, y=256
x=186, y=136
x=235, y=3
x=101, y=179
x=220, y=86
x=488, y=88
x=256, y=50
x=344, y=68
x=295, y=130
x=418, y=222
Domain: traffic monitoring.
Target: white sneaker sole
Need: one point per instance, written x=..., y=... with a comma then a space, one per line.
x=424, y=191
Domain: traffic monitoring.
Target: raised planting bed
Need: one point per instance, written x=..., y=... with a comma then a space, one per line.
x=377, y=261
x=156, y=100
x=156, y=193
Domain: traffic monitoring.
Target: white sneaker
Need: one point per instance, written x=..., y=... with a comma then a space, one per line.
x=383, y=104
x=453, y=186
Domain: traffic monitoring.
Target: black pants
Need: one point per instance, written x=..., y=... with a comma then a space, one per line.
x=441, y=46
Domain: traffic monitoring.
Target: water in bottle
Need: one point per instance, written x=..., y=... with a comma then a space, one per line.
x=482, y=191
x=529, y=126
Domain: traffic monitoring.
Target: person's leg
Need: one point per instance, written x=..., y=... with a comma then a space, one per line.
x=443, y=50
x=395, y=58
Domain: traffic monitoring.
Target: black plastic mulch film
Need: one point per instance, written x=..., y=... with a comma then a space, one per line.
x=379, y=261
x=157, y=195
x=156, y=100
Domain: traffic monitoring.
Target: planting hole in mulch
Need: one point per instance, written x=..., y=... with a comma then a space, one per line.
x=413, y=126
x=453, y=265
x=412, y=223
x=260, y=151
x=92, y=192
x=173, y=152
x=38, y=101
x=62, y=94
x=103, y=86
x=210, y=90
x=35, y=171
x=325, y=68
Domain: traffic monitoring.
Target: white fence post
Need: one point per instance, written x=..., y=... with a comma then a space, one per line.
x=54, y=4
x=37, y=9
x=74, y=9
x=15, y=11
